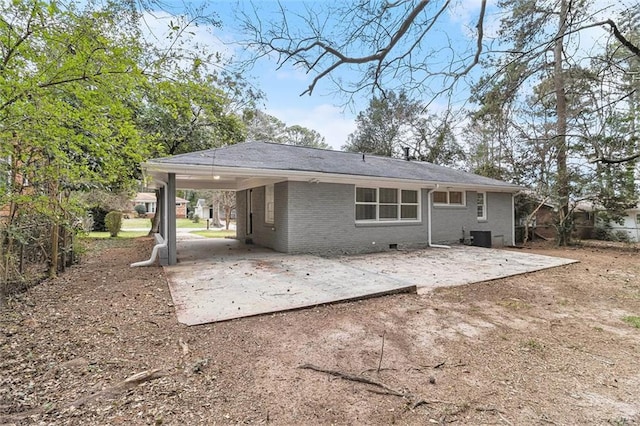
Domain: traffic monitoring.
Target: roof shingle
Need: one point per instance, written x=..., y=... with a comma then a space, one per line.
x=272, y=156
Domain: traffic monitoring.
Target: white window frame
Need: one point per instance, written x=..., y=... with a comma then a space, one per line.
x=269, y=215
x=400, y=203
x=481, y=195
x=449, y=203
x=637, y=218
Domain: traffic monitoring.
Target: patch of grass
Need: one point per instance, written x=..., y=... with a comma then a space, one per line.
x=140, y=222
x=632, y=320
x=533, y=345
x=145, y=223
x=121, y=234
x=599, y=329
x=215, y=233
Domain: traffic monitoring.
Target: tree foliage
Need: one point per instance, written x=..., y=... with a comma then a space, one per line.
x=267, y=128
x=84, y=100
x=553, y=112
x=394, y=122
x=401, y=45
x=192, y=111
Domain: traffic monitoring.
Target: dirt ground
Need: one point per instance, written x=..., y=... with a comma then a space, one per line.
x=101, y=345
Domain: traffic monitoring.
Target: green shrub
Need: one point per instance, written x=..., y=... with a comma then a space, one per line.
x=113, y=222
x=140, y=209
x=603, y=232
x=97, y=215
x=622, y=236
x=196, y=219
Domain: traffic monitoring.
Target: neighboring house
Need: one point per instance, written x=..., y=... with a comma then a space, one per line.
x=303, y=200
x=148, y=200
x=203, y=209
x=630, y=225
x=543, y=223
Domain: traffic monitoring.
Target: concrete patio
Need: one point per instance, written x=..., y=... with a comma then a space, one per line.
x=222, y=279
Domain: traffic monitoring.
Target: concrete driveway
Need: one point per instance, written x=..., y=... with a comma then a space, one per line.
x=222, y=279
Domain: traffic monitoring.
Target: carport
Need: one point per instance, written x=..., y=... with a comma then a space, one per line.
x=218, y=280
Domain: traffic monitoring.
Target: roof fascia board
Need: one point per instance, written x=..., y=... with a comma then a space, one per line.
x=256, y=182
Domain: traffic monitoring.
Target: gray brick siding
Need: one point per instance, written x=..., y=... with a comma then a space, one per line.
x=264, y=234
x=320, y=218
x=450, y=221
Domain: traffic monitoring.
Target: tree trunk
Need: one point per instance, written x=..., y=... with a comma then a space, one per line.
x=562, y=185
x=55, y=240
x=155, y=221
x=216, y=215
x=227, y=217
x=55, y=231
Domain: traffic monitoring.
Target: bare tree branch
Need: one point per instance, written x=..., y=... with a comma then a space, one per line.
x=601, y=159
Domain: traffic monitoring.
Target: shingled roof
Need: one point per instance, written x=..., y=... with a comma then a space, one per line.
x=279, y=157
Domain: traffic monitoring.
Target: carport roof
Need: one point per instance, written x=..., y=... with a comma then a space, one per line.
x=277, y=160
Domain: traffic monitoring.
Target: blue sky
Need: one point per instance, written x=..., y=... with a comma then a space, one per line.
x=324, y=111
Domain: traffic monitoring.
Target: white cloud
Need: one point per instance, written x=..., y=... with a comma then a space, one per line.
x=328, y=120
x=465, y=14
x=291, y=74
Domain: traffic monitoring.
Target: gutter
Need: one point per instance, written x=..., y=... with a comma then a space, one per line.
x=161, y=241
x=429, y=243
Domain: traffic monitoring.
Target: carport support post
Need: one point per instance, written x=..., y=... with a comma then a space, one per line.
x=171, y=219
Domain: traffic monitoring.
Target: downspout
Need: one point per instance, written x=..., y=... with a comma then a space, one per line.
x=163, y=243
x=429, y=209
x=513, y=219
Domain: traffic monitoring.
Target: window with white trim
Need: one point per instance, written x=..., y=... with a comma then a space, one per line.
x=387, y=205
x=268, y=204
x=638, y=218
x=449, y=198
x=482, y=205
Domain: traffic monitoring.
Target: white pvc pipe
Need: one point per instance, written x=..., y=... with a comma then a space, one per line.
x=429, y=223
x=513, y=219
x=165, y=227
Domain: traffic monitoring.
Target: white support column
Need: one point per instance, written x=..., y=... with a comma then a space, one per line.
x=513, y=219
x=171, y=219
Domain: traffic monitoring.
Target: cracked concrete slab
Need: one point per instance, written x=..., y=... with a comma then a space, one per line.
x=218, y=280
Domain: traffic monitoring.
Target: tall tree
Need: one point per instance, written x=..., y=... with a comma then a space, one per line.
x=557, y=107
x=189, y=114
x=67, y=78
x=394, y=123
x=383, y=128
x=301, y=136
x=388, y=45
x=543, y=114
x=264, y=127
x=83, y=100
x=267, y=128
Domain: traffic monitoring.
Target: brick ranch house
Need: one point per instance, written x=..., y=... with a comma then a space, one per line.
x=148, y=200
x=296, y=199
